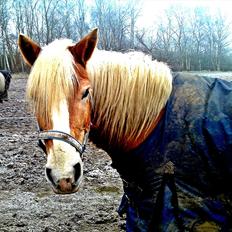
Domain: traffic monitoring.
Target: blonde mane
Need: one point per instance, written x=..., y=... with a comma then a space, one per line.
x=129, y=92
x=52, y=79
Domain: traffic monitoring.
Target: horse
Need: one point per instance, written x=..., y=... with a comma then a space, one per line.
x=169, y=134
x=59, y=91
x=5, y=78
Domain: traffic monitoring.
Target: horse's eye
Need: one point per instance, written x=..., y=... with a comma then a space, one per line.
x=85, y=94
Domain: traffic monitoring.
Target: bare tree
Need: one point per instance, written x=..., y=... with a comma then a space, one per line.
x=4, y=23
x=116, y=21
x=198, y=36
x=220, y=40
x=80, y=18
x=134, y=8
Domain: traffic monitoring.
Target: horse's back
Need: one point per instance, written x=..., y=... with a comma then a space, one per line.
x=186, y=163
x=199, y=144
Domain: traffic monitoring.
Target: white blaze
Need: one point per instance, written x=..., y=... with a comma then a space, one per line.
x=62, y=157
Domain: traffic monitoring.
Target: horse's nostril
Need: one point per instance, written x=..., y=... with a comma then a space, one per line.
x=49, y=175
x=68, y=180
x=77, y=170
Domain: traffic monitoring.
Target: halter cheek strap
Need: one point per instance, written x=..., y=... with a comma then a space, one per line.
x=62, y=136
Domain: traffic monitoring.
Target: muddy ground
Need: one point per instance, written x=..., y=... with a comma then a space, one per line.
x=26, y=201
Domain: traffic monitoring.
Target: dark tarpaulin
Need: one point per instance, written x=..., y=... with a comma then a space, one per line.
x=180, y=178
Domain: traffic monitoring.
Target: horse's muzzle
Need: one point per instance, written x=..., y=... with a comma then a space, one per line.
x=65, y=185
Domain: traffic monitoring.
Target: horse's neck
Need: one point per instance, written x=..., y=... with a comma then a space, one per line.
x=136, y=142
x=129, y=93
x=102, y=140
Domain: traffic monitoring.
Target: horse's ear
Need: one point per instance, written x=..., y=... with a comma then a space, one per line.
x=29, y=49
x=83, y=50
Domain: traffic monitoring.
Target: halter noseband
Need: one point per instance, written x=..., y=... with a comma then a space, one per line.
x=62, y=136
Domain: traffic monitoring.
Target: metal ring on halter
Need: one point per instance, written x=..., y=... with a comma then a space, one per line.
x=59, y=135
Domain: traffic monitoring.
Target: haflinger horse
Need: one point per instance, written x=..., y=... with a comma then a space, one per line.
x=5, y=78
x=169, y=134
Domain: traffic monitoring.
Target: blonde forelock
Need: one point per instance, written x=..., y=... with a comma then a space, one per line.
x=52, y=78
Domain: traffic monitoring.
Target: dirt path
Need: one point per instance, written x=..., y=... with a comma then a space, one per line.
x=26, y=200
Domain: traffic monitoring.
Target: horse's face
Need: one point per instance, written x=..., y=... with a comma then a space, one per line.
x=65, y=128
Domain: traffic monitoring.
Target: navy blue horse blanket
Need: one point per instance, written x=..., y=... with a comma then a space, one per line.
x=5, y=78
x=181, y=177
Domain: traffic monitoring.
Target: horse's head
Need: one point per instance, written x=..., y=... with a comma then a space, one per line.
x=59, y=90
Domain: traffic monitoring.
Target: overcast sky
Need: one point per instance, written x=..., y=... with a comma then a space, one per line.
x=152, y=10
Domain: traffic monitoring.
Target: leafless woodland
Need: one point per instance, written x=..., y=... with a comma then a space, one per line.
x=186, y=38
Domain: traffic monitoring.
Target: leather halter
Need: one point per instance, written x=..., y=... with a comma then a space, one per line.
x=62, y=136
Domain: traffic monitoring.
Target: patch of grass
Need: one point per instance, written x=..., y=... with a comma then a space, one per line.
x=108, y=189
